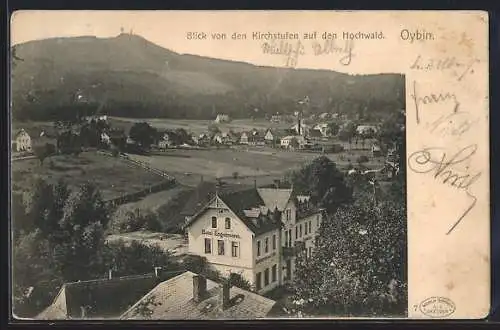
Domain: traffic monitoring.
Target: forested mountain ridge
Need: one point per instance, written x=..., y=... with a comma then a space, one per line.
x=129, y=76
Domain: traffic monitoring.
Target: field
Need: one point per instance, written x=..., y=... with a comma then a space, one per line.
x=198, y=126
x=111, y=175
x=248, y=163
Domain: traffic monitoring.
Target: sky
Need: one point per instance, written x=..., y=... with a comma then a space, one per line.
x=169, y=29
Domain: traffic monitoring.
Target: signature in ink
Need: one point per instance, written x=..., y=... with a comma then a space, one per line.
x=291, y=51
x=455, y=124
x=435, y=160
x=331, y=47
x=457, y=68
x=432, y=98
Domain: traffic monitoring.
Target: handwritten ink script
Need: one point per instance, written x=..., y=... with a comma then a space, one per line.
x=292, y=51
x=447, y=64
x=443, y=168
x=454, y=124
x=432, y=98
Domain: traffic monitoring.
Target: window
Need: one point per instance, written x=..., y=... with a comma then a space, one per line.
x=274, y=242
x=310, y=226
x=296, y=232
x=286, y=238
x=208, y=245
x=220, y=247
x=289, y=237
x=258, y=248
x=300, y=230
x=258, y=280
x=266, y=277
x=214, y=222
x=305, y=229
x=234, y=249
x=266, y=245
x=228, y=223
x=273, y=274
x=310, y=251
x=287, y=212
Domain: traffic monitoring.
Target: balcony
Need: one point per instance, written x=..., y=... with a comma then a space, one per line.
x=289, y=252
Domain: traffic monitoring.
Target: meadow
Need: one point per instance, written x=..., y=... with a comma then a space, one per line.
x=112, y=176
x=198, y=126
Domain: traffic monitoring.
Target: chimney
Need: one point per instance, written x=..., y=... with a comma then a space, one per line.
x=110, y=273
x=224, y=294
x=255, y=183
x=199, y=287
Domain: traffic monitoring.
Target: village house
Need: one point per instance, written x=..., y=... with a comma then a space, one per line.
x=286, y=142
x=273, y=136
x=367, y=130
x=21, y=141
x=222, y=118
x=192, y=296
x=376, y=150
x=323, y=128
x=244, y=138
x=324, y=115
x=105, y=138
x=276, y=118
x=256, y=233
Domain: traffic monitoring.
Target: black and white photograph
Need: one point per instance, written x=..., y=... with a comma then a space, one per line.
x=151, y=183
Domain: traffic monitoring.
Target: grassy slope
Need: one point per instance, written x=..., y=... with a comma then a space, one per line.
x=111, y=175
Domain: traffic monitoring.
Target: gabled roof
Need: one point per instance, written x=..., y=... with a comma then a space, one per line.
x=205, y=192
x=173, y=299
x=103, y=298
x=275, y=198
x=239, y=202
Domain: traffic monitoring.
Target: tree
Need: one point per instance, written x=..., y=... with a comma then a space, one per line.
x=78, y=248
x=35, y=283
x=136, y=220
x=294, y=143
x=44, y=151
x=143, y=134
x=324, y=182
x=333, y=128
x=213, y=129
x=358, y=267
x=135, y=258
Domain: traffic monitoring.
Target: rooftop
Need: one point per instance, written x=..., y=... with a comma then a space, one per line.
x=275, y=198
x=101, y=298
x=175, y=299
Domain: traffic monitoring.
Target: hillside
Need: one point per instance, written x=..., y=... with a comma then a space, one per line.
x=129, y=76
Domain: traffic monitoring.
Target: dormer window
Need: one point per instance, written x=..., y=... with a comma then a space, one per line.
x=214, y=222
x=228, y=223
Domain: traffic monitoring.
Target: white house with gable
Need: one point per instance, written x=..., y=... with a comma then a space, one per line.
x=256, y=233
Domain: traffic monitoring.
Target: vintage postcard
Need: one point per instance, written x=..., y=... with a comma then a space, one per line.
x=250, y=164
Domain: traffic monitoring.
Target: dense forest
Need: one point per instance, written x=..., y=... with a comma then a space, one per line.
x=129, y=76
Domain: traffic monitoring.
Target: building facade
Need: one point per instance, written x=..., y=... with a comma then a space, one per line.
x=22, y=141
x=255, y=233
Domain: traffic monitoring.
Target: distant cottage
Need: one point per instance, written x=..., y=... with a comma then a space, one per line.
x=22, y=141
x=221, y=118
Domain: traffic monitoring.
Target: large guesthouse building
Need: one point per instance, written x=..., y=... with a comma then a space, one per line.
x=256, y=232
